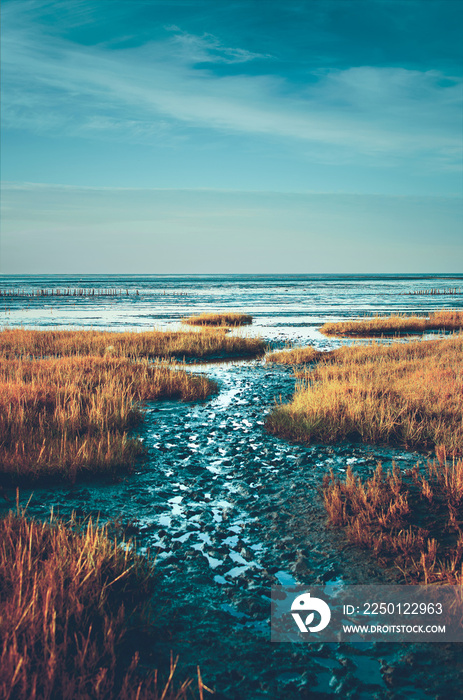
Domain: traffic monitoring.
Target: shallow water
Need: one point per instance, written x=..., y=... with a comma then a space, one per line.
x=230, y=510
x=282, y=305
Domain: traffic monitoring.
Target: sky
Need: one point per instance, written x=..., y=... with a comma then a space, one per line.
x=197, y=136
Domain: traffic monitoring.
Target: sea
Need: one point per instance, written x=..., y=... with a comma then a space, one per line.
x=291, y=306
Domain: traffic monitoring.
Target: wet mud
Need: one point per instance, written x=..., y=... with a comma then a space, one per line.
x=229, y=510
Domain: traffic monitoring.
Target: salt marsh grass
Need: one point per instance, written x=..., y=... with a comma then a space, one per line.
x=408, y=394
x=202, y=344
x=72, y=603
x=73, y=608
x=295, y=356
x=411, y=520
x=218, y=319
x=396, y=324
x=67, y=417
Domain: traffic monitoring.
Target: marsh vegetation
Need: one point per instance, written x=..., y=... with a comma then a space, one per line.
x=218, y=319
x=412, y=520
x=61, y=418
x=200, y=344
x=407, y=394
x=396, y=324
x=73, y=612
x=69, y=398
x=295, y=356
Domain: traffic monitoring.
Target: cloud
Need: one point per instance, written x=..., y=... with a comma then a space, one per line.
x=208, y=49
x=168, y=87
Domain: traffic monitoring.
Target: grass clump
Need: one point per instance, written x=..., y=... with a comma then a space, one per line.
x=396, y=324
x=71, y=605
x=20, y=342
x=218, y=319
x=412, y=520
x=68, y=417
x=410, y=394
x=296, y=356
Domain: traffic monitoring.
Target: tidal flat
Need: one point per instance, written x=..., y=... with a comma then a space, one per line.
x=227, y=509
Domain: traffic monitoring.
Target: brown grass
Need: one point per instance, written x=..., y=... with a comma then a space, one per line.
x=396, y=324
x=20, y=342
x=68, y=417
x=296, y=356
x=73, y=612
x=413, y=521
x=219, y=319
x=410, y=394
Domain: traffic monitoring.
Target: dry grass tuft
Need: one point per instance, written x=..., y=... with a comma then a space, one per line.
x=410, y=394
x=20, y=342
x=68, y=417
x=296, y=356
x=413, y=521
x=396, y=324
x=72, y=605
x=219, y=319
x=68, y=398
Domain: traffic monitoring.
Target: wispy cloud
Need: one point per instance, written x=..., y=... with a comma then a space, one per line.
x=207, y=48
x=165, y=88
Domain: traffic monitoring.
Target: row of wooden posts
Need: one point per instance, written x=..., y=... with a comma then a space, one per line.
x=454, y=290
x=79, y=292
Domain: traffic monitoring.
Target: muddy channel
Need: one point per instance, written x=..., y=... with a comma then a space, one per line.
x=229, y=510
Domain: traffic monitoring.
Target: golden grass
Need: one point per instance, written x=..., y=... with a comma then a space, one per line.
x=73, y=610
x=396, y=324
x=410, y=394
x=20, y=342
x=413, y=521
x=67, y=417
x=296, y=356
x=218, y=319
